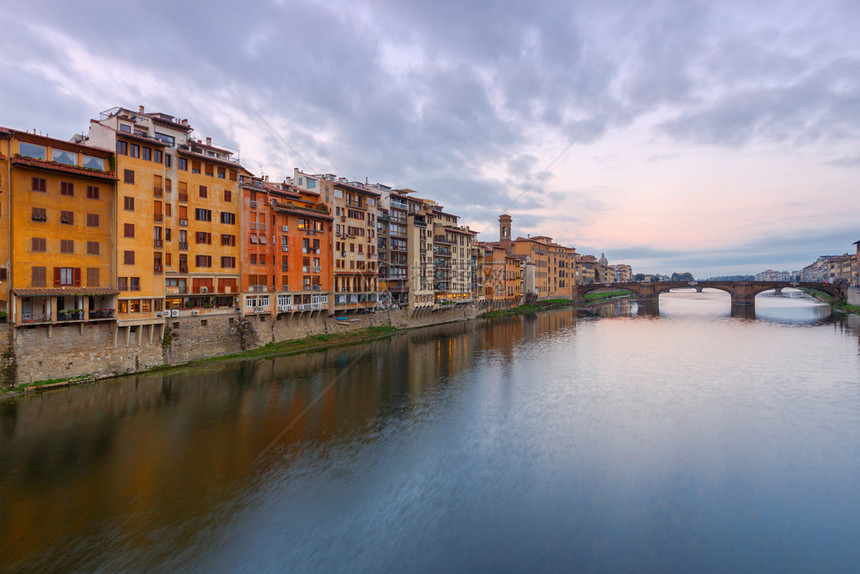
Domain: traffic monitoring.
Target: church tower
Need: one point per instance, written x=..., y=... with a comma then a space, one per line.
x=505, y=231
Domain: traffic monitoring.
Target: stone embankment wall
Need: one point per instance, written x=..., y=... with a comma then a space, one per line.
x=854, y=296
x=61, y=351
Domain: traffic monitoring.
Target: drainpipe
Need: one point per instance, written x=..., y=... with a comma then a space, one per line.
x=10, y=305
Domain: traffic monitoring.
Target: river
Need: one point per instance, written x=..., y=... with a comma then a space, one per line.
x=692, y=439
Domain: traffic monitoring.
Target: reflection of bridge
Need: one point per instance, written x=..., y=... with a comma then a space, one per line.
x=742, y=292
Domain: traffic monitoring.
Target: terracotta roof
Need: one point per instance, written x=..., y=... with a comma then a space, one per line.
x=55, y=166
x=172, y=124
x=301, y=211
x=47, y=292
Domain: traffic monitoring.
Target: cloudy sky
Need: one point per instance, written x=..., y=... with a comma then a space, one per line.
x=714, y=137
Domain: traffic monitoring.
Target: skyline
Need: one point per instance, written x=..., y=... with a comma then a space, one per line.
x=706, y=139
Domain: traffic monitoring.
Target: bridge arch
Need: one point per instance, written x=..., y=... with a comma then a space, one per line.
x=742, y=293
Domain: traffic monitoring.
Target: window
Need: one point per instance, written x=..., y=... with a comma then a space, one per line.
x=195, y=166
x=92, y=276
x=32, y=150
x=164, y=138
x=91, y=162
x=253, y=258
x=125, y=128
x=128, y=203
x=38, y=184
x=203, y=237
x=93, y=248
x=128, y=176
x=128, y=257
x=122, y=148
x=203, y=260
x=134, y=285
x=228, y=262
x=128, y=230
x=228, y=218
x=228, y=240
x=209, y=170
x=39, y=277
x=67, y=276
x=147, y=154
x=66, y=157
x=38, y=244
x=234, y=175
x=67, y=188
x=222, y=172
x=122, y=283
x=203, y=214
x=228, y=195
x=40, y=214
x=67, y=217
x=67, y=246
x=182, y=163
x=92, y=192
x=92, y=220
x=204, y=193
x=168, y=160
x=168, y=185
x=158, y=156
x=134, y=150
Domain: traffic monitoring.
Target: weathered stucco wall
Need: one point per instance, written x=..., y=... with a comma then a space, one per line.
x=853, y=296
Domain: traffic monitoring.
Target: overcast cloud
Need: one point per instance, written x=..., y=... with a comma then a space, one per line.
x=710, y=137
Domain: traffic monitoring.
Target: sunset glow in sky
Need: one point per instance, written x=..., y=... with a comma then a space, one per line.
x=710, y=137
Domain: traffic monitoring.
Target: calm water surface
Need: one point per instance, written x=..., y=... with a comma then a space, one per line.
x=688, y=440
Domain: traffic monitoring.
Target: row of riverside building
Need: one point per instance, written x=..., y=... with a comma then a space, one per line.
x=137, y=220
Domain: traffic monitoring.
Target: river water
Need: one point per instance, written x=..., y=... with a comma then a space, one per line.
x=686, y=440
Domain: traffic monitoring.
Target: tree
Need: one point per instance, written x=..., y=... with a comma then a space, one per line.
x=639, y=277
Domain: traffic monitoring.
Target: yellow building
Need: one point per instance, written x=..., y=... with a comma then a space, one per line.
x=57, y=230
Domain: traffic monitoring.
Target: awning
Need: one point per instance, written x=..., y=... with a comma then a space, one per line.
x=61, y=291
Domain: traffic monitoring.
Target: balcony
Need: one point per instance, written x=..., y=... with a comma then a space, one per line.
x=183, y=245
x=101, y=314
x=157, y=243
x=70, y=315
x=29, y=318
x=257, y=288
x=183, y=268
x=317, y=269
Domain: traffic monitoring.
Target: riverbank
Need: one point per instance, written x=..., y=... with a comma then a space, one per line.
x=838, y=306
x=309, y=344
x=552, y=304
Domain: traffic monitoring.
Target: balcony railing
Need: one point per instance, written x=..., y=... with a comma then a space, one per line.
x=157, y=268
x=157, y=243
x=30, y=318
x=183, y=268
x=183, y=245
x=101, y=313
x=70, y=315
x=257, y=288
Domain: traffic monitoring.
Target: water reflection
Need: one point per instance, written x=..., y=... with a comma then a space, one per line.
x=575, y=438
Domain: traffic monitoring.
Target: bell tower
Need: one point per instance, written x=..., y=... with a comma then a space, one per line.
x=505, y=230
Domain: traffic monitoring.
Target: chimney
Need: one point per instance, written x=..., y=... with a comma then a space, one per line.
x=140, y=109
x=208, y=141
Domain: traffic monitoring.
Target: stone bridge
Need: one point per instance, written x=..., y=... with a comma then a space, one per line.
x=742, y=292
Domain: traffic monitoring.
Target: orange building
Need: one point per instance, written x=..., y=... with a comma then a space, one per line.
x=177, y=216
x=57, y=230
x=295, y=266
x=354, y=206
